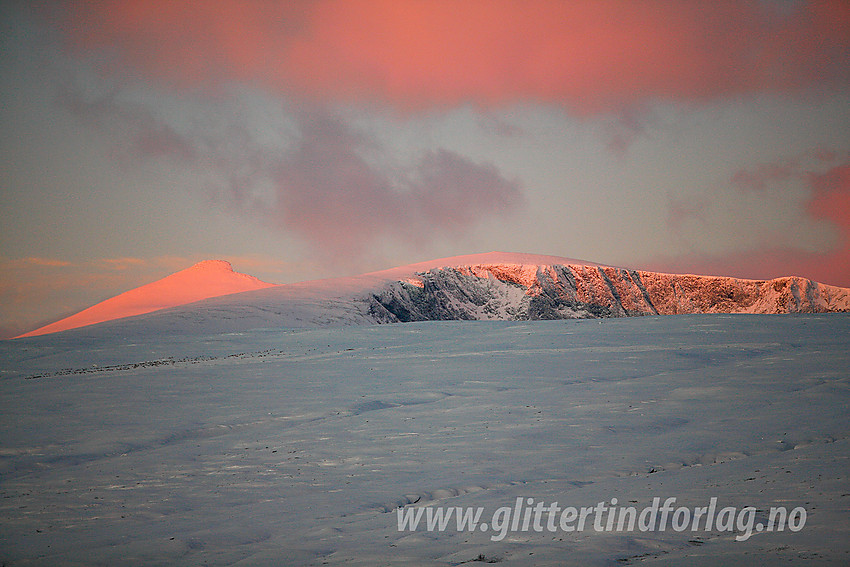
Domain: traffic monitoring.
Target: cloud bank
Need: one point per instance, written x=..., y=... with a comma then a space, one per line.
x=590, y=56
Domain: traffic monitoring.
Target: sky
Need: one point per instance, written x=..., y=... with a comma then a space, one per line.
x=320, y=138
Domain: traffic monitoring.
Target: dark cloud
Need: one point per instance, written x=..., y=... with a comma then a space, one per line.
x=335, y=187
x=328, y=191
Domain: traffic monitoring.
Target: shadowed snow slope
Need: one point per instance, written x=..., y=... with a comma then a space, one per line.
x=210, y=278
x=494, y=286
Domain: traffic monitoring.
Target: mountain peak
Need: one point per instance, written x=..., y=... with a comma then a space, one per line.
x=210, y=278
x=493, y=285
x=212, y=266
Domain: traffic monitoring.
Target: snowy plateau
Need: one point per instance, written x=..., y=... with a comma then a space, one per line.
x=288, y=425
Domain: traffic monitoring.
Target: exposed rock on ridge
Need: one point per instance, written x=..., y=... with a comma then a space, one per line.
x=492, y=286
x=520, y=292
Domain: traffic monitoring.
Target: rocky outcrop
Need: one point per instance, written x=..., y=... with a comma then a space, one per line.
x=528, y=292
x=494, y=286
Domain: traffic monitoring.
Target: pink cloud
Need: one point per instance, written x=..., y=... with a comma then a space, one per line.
x=759, y=178
x=330, y=194
x=591, y=56
x=830, y=201
x=334, y=186
x=49, y=262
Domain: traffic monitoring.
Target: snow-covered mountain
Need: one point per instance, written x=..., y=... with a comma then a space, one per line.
x=494, y=286
x=522, y=291
x=210, y=278
x=216, y=433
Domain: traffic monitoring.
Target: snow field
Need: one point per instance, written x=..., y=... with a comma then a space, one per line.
x=296, y=447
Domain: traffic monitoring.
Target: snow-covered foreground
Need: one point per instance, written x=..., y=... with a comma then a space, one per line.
x=297, y=447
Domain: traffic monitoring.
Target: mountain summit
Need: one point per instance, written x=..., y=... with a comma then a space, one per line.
x=210, y=278
x=492, y=286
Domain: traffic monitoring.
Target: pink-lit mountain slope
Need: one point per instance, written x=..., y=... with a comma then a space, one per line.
x=493, y=286
x=211, y=278
x=563, y=291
